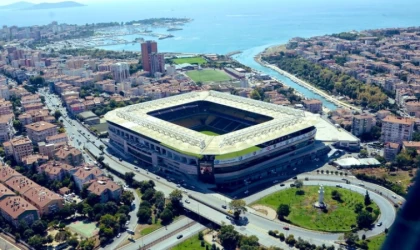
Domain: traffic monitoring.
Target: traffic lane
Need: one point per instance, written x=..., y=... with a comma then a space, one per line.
x=158, y=234
x=173, y=240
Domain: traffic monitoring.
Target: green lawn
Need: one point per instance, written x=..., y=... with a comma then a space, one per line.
x=191, y=243
x=208, y=75
x=190, y=60
x=150, y=229
x=210, y=133
x=340, y=215
x=238, y=153
x=376, y=242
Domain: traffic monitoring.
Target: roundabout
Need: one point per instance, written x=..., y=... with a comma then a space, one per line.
x=340, y=213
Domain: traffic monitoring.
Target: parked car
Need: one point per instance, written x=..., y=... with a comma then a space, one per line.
x=224, y=206
x=179, y=236
x=286, y=228
x=282, y=185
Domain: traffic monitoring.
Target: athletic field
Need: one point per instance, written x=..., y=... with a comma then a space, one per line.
x=208, y=75
x=190, y=60
x=84, y=229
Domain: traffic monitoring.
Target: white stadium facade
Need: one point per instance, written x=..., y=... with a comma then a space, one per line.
x=218, y=137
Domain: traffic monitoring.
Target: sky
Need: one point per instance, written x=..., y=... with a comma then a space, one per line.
x=5, y=2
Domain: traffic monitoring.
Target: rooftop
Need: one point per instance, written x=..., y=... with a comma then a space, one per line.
x=15, y=206
x=102, y=184
x=398, y=120
x=40, y=126
x=284, y=121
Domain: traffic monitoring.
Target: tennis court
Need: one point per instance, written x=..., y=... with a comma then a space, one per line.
x=84, y=228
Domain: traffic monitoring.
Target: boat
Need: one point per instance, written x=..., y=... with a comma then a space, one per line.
x=164, y=37
x=147, y=31
x=174, y=29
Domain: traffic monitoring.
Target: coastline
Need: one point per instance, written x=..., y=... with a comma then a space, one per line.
x=258, y=59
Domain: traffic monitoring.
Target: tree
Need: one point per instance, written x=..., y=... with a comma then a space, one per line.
x=364, y=219
x=255, y=95
x=228, y=237
x=358, y=208
x=61, y=130
x=166, y=216
x=17, y=237
x=127, y=198
x=144, y=215
x=159, y=200
x=57, y=114
x=351, y=238
x=416, y=136
x=249, y=242
x=101, y=158
x=39, y=226
x=290, y=240
x=73, y=242
x=87, y=244
x=238, y=206
x=36, y=241
x=367, y=199
x=129, y=177
x=283, y=211
x=363, y=153
x=101, y=147
x=17, y=125
x=175, y=196
x=148, y=194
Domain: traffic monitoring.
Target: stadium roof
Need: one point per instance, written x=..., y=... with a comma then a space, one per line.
x=285, y=121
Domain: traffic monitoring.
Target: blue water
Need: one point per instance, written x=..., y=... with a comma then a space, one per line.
x=222, y=26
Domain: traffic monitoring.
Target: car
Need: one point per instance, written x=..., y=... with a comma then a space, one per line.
x=157, y=177
x=379, y=224
x=128, y=222
x=187, y=201
x=393, y=196
x=119, y=235
x=224, y=206
x=286, y=228
x=361, y=184
x=282, y=185
x=178, y=186
x=294, y=178
x=120, y=159
x=292, y=185
x=179, y=236
x=339, y=186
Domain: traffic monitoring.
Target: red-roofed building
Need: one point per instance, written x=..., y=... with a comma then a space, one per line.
x=15, y=209
x=85, y=174
x=106, y=189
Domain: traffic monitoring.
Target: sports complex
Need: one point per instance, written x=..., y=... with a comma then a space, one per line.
x=217, y=137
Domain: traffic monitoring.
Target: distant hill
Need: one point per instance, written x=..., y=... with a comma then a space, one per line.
x=43, y=6
x=16, y=6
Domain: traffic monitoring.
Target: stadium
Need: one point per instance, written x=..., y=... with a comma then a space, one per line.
x=217, y=137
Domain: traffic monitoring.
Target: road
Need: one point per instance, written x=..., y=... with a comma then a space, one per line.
x=166, y=235
x=257, y=225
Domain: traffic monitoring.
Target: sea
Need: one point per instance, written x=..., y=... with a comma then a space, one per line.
x=223, y=26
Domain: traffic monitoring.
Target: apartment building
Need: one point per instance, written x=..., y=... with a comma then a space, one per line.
x=39, y=131
x=106, y=189
x=69, y=155
x=391, y=150
x=33, y=106
x=313, y=105
x=361, y=124
x=19, y=147
x=57, y=139
x=120, y=71
x=397, y=129
x=6, y=107
x=86, y=174
x=29, y=99
x=56, y=170
x=15, y=209
x=45, y=200
x=4, y=92
x=6, y=127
